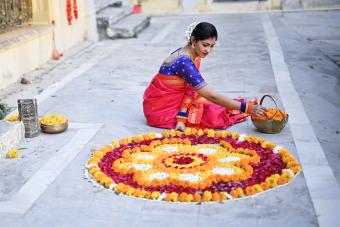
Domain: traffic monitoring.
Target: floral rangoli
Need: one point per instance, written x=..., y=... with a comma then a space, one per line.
x=192, y=166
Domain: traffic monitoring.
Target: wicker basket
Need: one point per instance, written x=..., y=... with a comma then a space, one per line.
x=270, y=126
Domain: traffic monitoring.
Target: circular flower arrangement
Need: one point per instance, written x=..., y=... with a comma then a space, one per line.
x=194, y=166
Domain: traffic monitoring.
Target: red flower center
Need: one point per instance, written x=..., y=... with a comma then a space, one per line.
x=183, y=160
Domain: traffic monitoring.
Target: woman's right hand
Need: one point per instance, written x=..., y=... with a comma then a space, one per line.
x=258, y=110
x=180, y=126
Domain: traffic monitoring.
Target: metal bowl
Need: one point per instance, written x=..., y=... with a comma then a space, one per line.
x=53, y=129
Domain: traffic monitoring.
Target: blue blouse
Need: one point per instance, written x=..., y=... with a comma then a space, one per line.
x=185, y=68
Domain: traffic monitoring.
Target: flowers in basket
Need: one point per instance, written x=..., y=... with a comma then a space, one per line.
x=272, y=114
x=274, y=121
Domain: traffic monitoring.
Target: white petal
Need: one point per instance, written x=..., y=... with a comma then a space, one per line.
x=277, y=148
x=142, y=166
x=112, y=186
x=289, y=171
x=241, y=138
x=207, y=150
x=230, y=159
x=91, y=165
x=162, y=196
x=170, y=148
x=145, y=156
x=189, y=177
x=223, y=171
x=228, y=195
x=158, y=175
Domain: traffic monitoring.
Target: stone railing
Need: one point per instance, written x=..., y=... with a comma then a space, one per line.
x=14, y=13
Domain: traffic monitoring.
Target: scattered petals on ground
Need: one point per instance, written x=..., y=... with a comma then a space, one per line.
x=194, y=166
x=12, y=153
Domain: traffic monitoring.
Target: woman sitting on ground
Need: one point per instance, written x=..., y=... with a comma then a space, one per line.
x=179, y=97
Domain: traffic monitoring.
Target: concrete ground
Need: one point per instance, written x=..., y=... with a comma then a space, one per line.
x=99, y=87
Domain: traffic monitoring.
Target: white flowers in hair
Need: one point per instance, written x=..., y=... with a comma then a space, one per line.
x=190, y=29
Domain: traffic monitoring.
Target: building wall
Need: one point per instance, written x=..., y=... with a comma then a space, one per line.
x=241, y=6
x=159, y=7
x=24, y=49
x=211, y=6
x=67, y=35
x=307, y=4
x=25, y=55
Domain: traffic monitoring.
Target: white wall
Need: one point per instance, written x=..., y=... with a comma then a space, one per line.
x=307, y=4
x=24, y=49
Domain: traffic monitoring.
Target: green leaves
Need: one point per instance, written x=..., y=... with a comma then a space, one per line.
x=4, y=110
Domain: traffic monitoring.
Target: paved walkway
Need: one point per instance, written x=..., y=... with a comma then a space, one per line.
x=189, y=6
x=100, y=91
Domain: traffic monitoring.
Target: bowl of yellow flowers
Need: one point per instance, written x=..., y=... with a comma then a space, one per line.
x=53, y=123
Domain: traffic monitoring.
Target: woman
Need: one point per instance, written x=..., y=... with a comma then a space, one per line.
x=178, y=96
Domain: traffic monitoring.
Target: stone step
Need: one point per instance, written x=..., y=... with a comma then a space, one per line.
x=236, y=6
x=103, y=4
x=111, y=15
x=11, y=134
x=128, y=27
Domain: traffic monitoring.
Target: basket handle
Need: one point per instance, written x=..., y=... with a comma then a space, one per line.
x=277, y=109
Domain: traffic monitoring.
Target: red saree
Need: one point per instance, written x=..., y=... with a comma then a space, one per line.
x=167, y=94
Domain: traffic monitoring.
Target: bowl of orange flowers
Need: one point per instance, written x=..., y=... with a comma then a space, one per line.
x=273, y=121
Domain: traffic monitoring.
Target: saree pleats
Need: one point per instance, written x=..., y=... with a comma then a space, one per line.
x=162, y=100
